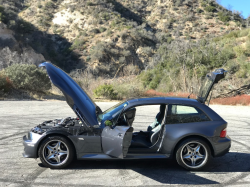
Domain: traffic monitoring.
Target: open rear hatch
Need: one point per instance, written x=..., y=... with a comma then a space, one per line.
x=210, y=79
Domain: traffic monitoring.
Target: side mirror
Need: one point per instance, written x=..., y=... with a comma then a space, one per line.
x=108, y=123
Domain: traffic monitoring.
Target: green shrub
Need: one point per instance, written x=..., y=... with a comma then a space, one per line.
x=89, y=4
x=233, y=34
x=106, y=91
x=49, y=5
x=203, y=4
x=24, y=26
x=208, y=17
x=223, y=17
x=5, y=83
x=210, y=8
x=244, y=32
x=239, y=51
x=228, y=53
x=103, y=29
x=28, y=77
x=128, y=90
x=242, y=73
x=2, y=14
x=96, y=31
x=105, y=16
x=198, y=10
x=248, y=45
x=146, y=77
x=232, y=66
x=97, y=52
x=113, y=24
x=78, y=44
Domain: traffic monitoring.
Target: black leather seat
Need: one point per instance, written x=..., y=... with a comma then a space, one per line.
x=158, y=118
x=155, y=129
x=148, y=138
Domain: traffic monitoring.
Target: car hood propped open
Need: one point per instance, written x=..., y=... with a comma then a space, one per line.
x=76, y=98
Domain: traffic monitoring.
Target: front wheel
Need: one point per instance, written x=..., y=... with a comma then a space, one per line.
x=56, y=152
x=193, y=154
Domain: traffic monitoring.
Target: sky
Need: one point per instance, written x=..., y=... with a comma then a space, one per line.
x=240, y=5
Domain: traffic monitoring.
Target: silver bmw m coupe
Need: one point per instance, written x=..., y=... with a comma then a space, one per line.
x=184, y=129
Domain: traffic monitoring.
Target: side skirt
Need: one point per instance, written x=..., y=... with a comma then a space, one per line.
x=129, y=156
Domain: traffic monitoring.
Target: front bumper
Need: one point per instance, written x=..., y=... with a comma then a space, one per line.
x=30, y=144
x=222, y=146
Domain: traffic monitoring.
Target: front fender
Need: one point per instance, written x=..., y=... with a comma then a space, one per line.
x=33, y=141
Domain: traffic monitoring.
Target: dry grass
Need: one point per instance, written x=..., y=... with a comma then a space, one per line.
x=237, y=100
x=153, y=93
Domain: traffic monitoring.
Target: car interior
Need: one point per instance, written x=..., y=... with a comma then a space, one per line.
x=147, y=138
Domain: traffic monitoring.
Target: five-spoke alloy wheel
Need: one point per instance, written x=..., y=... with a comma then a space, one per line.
x=56, y=152
x=193, y=154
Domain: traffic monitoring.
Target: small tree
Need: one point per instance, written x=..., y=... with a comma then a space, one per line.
x=248, y=21
x=223, y=17
x=106, y=91
x=28, y=77
x=5, y=83
x=2, y=14
x=210, y=8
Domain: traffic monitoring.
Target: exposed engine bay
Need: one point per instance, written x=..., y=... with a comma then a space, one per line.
x=73, y=126
x=65, y=122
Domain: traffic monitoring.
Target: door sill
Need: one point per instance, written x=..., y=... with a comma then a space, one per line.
x=146, y=156
x=129, y=156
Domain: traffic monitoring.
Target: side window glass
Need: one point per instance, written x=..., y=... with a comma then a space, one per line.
x=186, y=114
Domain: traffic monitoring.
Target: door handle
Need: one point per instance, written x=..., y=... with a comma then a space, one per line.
x=119, y=134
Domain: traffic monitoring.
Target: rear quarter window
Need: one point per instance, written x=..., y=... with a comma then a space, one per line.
x=185, y=114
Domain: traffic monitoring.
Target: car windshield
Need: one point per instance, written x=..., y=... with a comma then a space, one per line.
x=113, y=111
x=205, y=87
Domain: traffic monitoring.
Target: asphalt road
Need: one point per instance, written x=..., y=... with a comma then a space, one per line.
x=17, y=117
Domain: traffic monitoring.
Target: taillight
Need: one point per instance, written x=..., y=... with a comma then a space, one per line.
x=223, y=133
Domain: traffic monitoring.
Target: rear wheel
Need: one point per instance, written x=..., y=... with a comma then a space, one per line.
x=56, y=152
x=193, y=154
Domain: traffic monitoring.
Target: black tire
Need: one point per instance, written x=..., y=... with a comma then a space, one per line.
x=56, y=155
x=188, y=157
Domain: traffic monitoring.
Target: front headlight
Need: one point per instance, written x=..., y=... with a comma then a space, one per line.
x=37, y=130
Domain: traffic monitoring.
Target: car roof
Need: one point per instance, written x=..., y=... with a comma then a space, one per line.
x=167, y=100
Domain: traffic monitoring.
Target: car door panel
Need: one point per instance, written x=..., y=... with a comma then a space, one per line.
x=116, y=141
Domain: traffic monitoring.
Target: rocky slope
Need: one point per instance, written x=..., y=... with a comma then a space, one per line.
x=109, y=37
x=11, y=51
x=176, y=41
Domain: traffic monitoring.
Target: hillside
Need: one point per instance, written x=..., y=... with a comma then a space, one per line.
x=117, y=38
x=107, y=34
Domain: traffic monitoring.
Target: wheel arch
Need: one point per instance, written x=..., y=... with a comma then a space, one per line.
x=55, y=134
x=192, y=136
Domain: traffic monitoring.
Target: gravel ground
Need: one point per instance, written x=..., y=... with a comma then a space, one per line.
x=17, y=117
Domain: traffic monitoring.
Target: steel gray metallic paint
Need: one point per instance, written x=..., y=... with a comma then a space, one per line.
x=115, y=142
x=90, y=143
x=174, y=133
x=31, y=144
